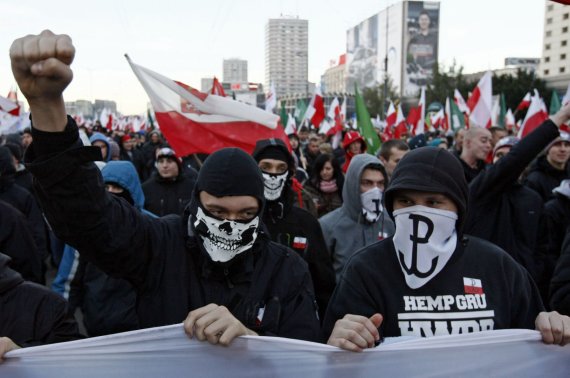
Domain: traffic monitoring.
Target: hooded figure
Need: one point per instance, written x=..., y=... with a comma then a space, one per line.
x=347, y=229
x=96, y=140
x=429, y=266
x=215, y=260
x=290, y=225
x=108, y=304
x=32, y=314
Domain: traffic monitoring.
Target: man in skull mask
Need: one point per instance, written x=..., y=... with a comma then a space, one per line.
x=215, y=267
x=430, y=279
x=361, y=220
x=290, y=225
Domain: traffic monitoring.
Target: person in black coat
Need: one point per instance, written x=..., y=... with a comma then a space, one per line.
x=16, y=241
x=560, y=284
x=290, y=225
x=30, y=313
x=22, y=200
x=129, y=152
x=550, y=169
x=503, y=211
x=170, y=187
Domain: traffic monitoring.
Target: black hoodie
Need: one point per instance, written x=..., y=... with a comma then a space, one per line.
x=158, y=256
x=31, y=314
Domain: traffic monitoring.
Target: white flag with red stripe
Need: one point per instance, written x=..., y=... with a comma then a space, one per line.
x=391, y=115
x=461, y=104
x=509, y=120
x=196, y=122
x=480, y=102
x=316, y=110
x=525, y=103
x=291, y=127
x=9, y=106
x=419, y=126
x=535, y=115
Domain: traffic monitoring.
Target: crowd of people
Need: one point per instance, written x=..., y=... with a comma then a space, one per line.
x=435, y=235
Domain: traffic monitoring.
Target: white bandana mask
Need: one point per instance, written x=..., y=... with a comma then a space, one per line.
x=425, y=239
x=224, y=239
x=273, y=185
x=372, y=204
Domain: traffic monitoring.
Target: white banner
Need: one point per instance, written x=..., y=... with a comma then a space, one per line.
x=168, y=352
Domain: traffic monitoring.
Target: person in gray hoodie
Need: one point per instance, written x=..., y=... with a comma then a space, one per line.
x=361, y=220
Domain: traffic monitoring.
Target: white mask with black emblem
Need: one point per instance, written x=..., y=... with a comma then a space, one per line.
x=372, y=204
x=273, y=185
x=224, y=239
x=425, y=240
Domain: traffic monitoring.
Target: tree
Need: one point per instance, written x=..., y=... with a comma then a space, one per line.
x=374, y=98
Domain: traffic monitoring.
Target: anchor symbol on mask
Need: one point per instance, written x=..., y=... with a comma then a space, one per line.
x=416, y=239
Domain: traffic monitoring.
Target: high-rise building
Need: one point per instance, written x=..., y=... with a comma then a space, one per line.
x=555, y=62
x=333, y=80
x=235, y=71
x=287, y=55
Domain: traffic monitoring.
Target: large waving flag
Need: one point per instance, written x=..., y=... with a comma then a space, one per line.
x=316, y=110
x=480, y=102
x=196, y=122
x=535, y=115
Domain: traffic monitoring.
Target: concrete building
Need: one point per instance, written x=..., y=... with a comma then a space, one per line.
x=79, y=107
x=99, y=105
x=555, y=62
x=334, y=78
x=235, y=71
x=287, y=55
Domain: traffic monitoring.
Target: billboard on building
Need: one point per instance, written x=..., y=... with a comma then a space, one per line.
x=362, y=54
x=421, y=40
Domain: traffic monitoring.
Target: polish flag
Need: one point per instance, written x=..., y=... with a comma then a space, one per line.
x=400, y=128
x=291, y=127
x=417, y=114
x=334, y=121
x=566, y=98
x=525, y=103
x=472, y=286
x=299, y=242
x=509, y=120
x=9, y=106
x=217, y=88
x=460, y=102
x=480, y=102
x=535, y=115
x=271, y=99
x=316, y=109
x=438, y=120
x=196, y=122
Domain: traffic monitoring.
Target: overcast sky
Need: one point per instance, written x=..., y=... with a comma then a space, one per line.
x=187, y=40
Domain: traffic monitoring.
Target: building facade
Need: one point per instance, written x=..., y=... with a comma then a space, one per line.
x=235, y=71
x=287, y=55
x=555, y=62
x=334, y=78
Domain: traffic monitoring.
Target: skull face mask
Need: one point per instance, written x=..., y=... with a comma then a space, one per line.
x=274, y=185
x=224, y=239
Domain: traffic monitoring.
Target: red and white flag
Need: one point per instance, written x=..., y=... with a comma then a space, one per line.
x=196, y=122
x=509, y=120
x=291, y=127
x=460, y=102
x=525, y=103
x=217, y=88
x=472, y=285
x=391, y=115
x=535, y=115
x=566, y=98
x=400, y=128
x=334, y=121
x=9, y=106
x=480, y=102
x=271, y=99
x=316, y=110
x=299, y=242
x=416, y=115
x=438, y=120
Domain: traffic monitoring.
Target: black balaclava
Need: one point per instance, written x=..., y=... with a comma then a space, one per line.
x=430, y=169
x=227, y=172
x=276, y=149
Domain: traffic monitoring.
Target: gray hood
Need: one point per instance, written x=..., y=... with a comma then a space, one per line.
x=351, y=189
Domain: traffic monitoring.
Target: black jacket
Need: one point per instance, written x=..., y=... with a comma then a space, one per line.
x=137, y=158
x=374, y=283
x=504, y=212
x=165, y=196
x=158, y=256
x=297, y=229
x=560, y=284
x=16, y=241
x=31, y=314
x=543, y=177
